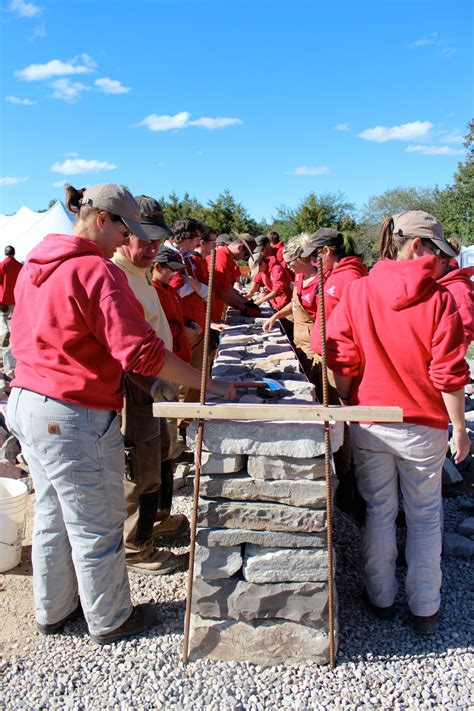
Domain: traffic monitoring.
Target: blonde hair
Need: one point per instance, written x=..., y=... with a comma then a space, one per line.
x=296, y=246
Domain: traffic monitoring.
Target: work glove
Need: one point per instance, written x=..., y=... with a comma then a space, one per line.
x=251, y=310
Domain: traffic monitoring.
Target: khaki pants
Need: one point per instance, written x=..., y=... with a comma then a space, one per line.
x=148, y=478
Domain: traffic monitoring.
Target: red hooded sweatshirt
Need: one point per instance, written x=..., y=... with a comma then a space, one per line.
x=274, y=277
x=398, y=334
x=459, y=283
x=77, y=325
x=335, y=281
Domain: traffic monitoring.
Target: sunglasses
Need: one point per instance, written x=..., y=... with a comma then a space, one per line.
x=437, y=251
x=127, y=232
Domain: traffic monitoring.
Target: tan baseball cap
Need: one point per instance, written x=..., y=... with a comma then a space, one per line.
x=417, y=223
x=116, y=200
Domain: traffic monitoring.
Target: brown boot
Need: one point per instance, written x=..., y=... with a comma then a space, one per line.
x=158, y=563
x=141, y=619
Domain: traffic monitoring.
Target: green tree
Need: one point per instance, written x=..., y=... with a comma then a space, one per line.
x=226, y=215
x=174, y=207
x=313, y=212
x=378, y=207
x=456, y=208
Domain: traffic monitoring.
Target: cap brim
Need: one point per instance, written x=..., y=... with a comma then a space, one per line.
x=444, y=246
x=156, y=232
x=137, y=229
x=307, y=252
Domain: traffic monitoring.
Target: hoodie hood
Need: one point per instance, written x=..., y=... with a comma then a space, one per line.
x=403, y=283
x=52, y=251
x=353, y=264
x=462, y=275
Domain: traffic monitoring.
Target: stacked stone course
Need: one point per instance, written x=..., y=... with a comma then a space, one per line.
x=261, y=570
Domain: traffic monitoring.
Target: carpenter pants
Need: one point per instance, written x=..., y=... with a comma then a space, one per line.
x=75, y=456
x=418, y=454
x=148, y=478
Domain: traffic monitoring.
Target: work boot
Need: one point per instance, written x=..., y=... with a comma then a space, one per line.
x=141, y=619
x=383, y=613
x=158, y=563
x=176, y=525
x=425, y=625
x=57, y=627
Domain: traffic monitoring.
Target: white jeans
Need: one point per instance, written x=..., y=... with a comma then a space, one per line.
x=76, y=459
x=413, y=455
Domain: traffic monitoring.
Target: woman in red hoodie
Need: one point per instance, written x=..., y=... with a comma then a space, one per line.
x=76, y=328
x=396, y=338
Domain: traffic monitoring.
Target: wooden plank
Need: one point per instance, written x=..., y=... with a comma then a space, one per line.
x=279, y=413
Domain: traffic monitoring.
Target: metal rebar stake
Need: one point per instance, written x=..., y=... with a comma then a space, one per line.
x=327, y=463
x=197, y=462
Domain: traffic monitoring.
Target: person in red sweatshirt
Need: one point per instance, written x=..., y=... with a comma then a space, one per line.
x=458, y=281
x=76, y=328
x=9, y=271
x=273, y=279
x=396, y=338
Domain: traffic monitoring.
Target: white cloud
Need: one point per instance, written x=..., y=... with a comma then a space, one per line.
x=67, y=90
x=22, y=102
x=111, y=86
x=434, y=40
x=342, y=127
x=71, y=154
x=434, y=150
x=56, y=68
x=24, y=9
x=10, y=180
x=450, y=137
x=78, y=166
x=212, y=123
x=309, y=170
x=38, y=32
x=405, y=132
x=58, y=184
x=154, y=122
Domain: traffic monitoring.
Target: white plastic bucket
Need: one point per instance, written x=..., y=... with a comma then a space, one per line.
x=13, y=495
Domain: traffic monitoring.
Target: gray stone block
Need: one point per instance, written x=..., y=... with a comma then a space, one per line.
x=276, y=565
x=290, y=439
x=264, y=643
x=269, y=539
x=454, y=544
x=241, y=487
x=221, y=463
x=215, y=563
x=466, y=527
x=286, y=468
x=240, y=600
x=259, y=516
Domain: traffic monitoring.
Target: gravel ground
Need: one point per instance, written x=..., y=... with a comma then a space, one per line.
x=381, y=665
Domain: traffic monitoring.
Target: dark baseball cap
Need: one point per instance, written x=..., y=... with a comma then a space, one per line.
x=324, y=237
x=152, y=219
x=223, y=239
x=168, y=258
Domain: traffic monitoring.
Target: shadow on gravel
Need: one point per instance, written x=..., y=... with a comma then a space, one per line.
x=364, y=637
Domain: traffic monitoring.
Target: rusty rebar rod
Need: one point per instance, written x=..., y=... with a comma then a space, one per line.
x=327, y=463
x=197, y=461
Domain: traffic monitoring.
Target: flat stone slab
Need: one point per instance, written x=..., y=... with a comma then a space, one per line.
x=241, y=487
x=265, y=643
x=286, y=468
x=259, y=516
x=290, y=439
x=466, y=527
x=457, y=545
x=269, y=539
x=221, y=463
x=215, y=563
x=275, y=565
x=240, y=600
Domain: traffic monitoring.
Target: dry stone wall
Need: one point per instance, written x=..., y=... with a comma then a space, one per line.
x=261, y=570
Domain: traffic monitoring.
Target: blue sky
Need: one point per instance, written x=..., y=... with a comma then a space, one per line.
x=269, y=99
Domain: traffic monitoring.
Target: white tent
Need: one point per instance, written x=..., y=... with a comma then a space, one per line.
x=26, y=228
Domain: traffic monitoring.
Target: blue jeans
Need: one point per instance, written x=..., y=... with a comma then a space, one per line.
x=76, y=460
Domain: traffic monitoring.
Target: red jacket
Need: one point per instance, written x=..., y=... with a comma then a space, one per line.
x=77, y=325
x=274, y=277
x=194, y=308
x=335, y=281
x=398, y=334
x=173, y=309
x=226, y=273
x=9, y=270
x=459, y=283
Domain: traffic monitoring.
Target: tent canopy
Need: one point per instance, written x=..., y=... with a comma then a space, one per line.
x=26, y=228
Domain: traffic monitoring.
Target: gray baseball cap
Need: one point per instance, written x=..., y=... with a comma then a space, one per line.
x=324, y=237
x=152, y=218
x=417, y=223
x=116, y=200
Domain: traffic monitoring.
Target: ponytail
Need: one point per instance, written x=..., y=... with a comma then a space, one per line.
x=73, y=198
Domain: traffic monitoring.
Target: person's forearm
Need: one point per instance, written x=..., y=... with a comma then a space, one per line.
x=234, y=299
x=266, y=297
x=253, y=290
x=285, y=311
x=454, y=403
x=343, y=386
x=175, y=370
